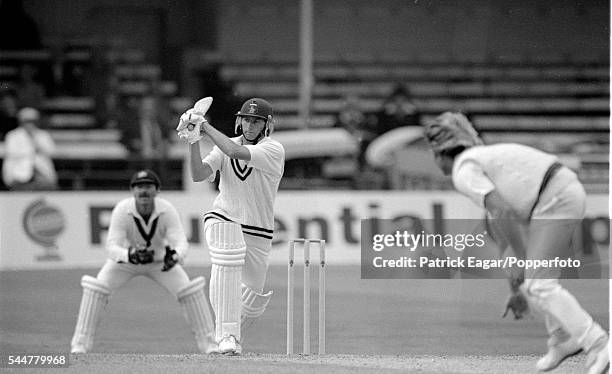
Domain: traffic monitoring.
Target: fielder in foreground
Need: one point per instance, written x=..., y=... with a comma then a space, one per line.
x=520, y=184
x=239, y=229
x=145, y=238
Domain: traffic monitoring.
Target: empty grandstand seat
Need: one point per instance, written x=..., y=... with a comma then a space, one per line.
x=69, y=103
x=328, y=72
x=466, y=89
x=74, y=120
x=540, y=123
x=594, y=104
x=523, y=72
x=137, y=88
x=80, y=136
x=266, y=89
x=138, y=71
x=371, y=72
x=9, y=73
x=429, y=89
x=285, y=122
x=505, y=88
x=595, y=73
x=483, y=105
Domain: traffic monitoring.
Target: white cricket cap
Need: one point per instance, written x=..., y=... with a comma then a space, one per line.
x=28, y=115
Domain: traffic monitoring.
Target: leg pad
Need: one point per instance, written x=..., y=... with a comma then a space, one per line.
x=95, y=297
x=198, y=313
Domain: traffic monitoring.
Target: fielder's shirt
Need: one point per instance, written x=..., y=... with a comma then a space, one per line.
x=515, y=171
x=247, y=190
x=128, y=228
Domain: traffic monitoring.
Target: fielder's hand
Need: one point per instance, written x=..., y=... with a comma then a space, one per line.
x=517, y=303
x=189, y=127
x=170, y=259
x=140, y=255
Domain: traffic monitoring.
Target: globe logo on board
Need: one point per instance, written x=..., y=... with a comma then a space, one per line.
x=43, y=224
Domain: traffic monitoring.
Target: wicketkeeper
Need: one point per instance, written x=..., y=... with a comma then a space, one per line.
x=145, y=238
x=520, y=186
x=239, y=229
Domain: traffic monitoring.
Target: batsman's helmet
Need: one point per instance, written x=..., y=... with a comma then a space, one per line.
x=145, y=176
x=451, y=130
x=255, y=107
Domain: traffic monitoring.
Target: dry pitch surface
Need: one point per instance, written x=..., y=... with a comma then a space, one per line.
x=373, y=326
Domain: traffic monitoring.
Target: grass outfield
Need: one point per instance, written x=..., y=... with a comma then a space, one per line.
x=424, y=326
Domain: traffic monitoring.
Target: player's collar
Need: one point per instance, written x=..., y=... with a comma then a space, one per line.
x=244, y=140
x=158, y=209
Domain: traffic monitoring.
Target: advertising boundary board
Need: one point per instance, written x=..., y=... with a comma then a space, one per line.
x=68, y=229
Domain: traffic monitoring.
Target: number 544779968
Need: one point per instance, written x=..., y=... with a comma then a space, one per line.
x=35, y=360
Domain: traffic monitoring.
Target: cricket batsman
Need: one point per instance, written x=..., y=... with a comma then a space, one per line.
x=523, y=185
x=240, y=226
x=145, y=238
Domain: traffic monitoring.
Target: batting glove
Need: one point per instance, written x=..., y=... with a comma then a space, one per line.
x=190, y=125
x=170, y=259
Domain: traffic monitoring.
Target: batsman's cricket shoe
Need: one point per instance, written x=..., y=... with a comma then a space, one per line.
x=78, y=349
x=230, y=346
x=560, y=347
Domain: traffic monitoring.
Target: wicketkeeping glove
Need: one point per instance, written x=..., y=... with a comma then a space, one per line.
x=140, y=256
x=517, y=303
x=190, y=125
x=170, y=259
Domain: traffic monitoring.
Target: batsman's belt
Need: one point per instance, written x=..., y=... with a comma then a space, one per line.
x=550, y=173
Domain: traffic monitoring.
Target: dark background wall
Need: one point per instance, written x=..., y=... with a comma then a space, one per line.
x=164, y=28
x=404, y=27
x=150, y=24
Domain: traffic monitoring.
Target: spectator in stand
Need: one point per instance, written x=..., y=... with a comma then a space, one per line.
x=18, y=30
x=152, y=126
x=144, y=125
x=107, y=93
x=352, y=118
x=8, y=112
x=394, y=124
x=30, y=93
x=128, y=123
x=398, y=110
x=27, y=162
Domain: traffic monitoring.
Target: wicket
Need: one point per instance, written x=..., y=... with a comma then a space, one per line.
x=290, y=294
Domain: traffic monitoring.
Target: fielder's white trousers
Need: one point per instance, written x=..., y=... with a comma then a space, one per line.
x=116, y=275
x=555, y=219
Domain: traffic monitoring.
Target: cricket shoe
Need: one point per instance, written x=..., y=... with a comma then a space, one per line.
x=78, y=349
x=560, y=347
x=598, y=352
x=208, y=346
x=230, y=346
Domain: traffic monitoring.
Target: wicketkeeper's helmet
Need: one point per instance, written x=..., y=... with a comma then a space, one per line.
x=449, y=131
x=145, y=176
x=255, y=107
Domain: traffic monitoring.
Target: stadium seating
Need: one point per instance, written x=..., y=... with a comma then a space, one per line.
x=509, y=97
x=88, y=154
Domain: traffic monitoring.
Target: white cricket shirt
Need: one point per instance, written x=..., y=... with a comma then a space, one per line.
x=515, y=171
x=247, y=190
x=128, y=228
